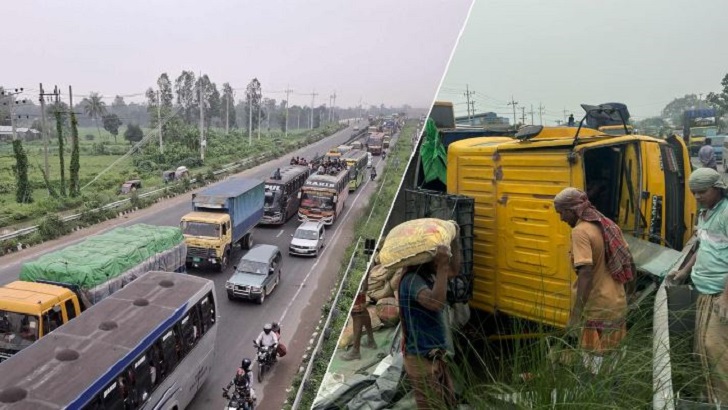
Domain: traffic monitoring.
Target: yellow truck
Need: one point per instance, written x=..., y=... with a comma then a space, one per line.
x=58, y=286
x=222, y=216
x=521, y=263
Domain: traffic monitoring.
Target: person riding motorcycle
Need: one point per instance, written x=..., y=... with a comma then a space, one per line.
x=243, y=379
x=268, y=338
x=374, y=173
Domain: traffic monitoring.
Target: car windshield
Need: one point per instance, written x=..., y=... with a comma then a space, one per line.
x=305, y=234
x=717, y=141
x=200, y=229
x=17, y=330
x=314, y=201
x=255, y=267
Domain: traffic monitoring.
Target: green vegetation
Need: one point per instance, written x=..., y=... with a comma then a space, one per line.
x=367, y=227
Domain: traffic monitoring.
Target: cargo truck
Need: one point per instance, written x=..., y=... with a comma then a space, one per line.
x=58, y=286
x=699, y=124
x=375, y=143
x=223, y=215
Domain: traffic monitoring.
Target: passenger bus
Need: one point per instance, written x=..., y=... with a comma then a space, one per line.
x=323, y=197
x=281, y=194
x=356, y=161
x=149, y=345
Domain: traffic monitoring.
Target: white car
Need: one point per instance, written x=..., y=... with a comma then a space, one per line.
x=308, y=240
x=369, y=159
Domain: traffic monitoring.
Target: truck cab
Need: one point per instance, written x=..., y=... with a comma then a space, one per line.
x=29, y=311
x=207, y=236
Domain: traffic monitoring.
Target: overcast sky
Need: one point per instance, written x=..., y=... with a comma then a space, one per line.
x=379, y=51
x=562, y=53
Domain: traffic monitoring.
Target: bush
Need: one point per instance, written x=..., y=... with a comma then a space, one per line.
x=51, y=227
x=89, y=137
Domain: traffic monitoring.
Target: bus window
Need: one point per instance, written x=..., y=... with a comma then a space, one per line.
x=141, y=376
x=112, y=397
x=207, y=307
x=70, y=309
x=169, y=351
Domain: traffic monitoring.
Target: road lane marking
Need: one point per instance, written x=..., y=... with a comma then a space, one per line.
x=337, y=232
x=279, y=233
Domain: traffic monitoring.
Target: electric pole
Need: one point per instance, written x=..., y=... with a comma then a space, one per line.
x=11, y=95
x=159, y=121
x=531, y=114
x=227, y=115
x=45, y=126
x=288, y=103
x=313, y=100
x=523, y=115
x=565, y=116
x=260, y=101
x=333, y=108
x=514, y=103
x=470, y=105
x=250, y=117
x=203, y=143
x=540, y=113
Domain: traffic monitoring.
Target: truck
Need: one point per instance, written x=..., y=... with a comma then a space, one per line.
x=375, y=143
x=58, y=286
x=697, y=125
x=222, y=216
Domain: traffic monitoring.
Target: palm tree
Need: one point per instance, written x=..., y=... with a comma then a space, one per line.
x=94, y=107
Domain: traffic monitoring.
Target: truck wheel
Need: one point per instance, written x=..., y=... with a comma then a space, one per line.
x=224, y=261
x=247, y=241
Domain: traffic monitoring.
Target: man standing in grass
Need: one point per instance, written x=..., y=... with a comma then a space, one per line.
x=426, y=334
x=603, y=264
x=708, y=268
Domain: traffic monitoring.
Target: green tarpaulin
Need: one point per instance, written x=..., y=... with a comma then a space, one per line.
x=433, y=154
x=102, y=257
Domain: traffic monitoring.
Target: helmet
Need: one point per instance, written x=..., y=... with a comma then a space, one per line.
x=246, y=364
x=267, y=328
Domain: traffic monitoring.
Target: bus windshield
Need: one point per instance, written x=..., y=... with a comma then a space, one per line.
x=317, y=201
x=17, y=330
x=201, y=229
x=271, y=199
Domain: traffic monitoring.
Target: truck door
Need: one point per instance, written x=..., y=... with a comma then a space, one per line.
x=630, y=216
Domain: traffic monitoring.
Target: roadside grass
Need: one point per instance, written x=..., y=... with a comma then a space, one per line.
x=388, y=183
x=100, y=153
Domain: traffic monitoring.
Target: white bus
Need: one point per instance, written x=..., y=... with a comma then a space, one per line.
x=150, y=345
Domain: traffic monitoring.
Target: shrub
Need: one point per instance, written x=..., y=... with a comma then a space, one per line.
x=51, y=227
x=89, y=137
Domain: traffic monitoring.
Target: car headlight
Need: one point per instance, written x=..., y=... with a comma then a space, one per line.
x=255, y=289
x=228, y=285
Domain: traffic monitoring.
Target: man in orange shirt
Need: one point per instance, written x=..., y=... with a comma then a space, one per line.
x=603, y=264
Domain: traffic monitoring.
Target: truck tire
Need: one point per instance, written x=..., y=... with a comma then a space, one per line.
x=224, y=261
x=247, y=241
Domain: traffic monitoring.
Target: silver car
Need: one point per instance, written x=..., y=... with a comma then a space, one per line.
x=308, y=240
x=256, y=275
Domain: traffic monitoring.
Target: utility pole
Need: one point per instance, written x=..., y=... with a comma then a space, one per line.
x=470, y=106
x=11, y=95
x=540, y=113
x=531, y=114
x=313, y=100
x=203, y=143
x=259, y=104
x=227, y=115
x=288, y=103
x=159, y=121
x=514, y=103
x=298, y=125
x=250, y=118
x=333, y=108
x=523, y=115
x=45, y=126
x=565, y=116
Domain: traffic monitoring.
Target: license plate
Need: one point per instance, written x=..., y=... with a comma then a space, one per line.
x=196, y=259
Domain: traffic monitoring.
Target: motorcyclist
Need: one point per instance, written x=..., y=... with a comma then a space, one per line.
x=243, y=379
x=374, y=173
x=268, y=338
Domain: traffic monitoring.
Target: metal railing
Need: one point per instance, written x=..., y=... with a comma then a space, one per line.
x=309, y=366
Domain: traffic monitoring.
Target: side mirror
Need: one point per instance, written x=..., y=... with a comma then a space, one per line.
x=298, y=195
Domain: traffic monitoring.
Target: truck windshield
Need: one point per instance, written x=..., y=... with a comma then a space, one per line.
x=201, y=229
x=17, y=331
x=317, y=201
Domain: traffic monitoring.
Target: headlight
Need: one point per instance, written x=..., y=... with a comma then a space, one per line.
x=228, y=285
x=255, y=289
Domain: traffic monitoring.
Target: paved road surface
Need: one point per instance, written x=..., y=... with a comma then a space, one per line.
x=305, y=285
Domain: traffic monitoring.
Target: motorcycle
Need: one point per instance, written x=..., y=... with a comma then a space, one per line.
x=265, y=359
x=241, y=399
x=373, y=175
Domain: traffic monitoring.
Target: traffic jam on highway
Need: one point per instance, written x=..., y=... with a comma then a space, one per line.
x=244, y=238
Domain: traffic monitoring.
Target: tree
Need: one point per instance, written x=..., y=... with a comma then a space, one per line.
x=253, y=97
x=74, y=186
x=59, y=131
x=227, y=106
x=133, y=133
x=210, y=98
x=95, y=108
x=112, y=124
x=184, y=86
x=23, y=190
x=720, y=100
x=282, y=115
x=674, y=110
x=655, y=126
x=118, y=107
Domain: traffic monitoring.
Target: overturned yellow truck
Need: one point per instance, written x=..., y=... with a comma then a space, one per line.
x=521, y=264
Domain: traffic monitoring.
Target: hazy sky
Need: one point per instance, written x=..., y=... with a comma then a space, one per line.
x=562, y=53
x=379, y=51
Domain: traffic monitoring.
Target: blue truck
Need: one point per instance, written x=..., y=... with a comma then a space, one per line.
x=222, y=216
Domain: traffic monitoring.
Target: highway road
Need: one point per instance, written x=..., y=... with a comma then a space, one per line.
x=296, y=303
